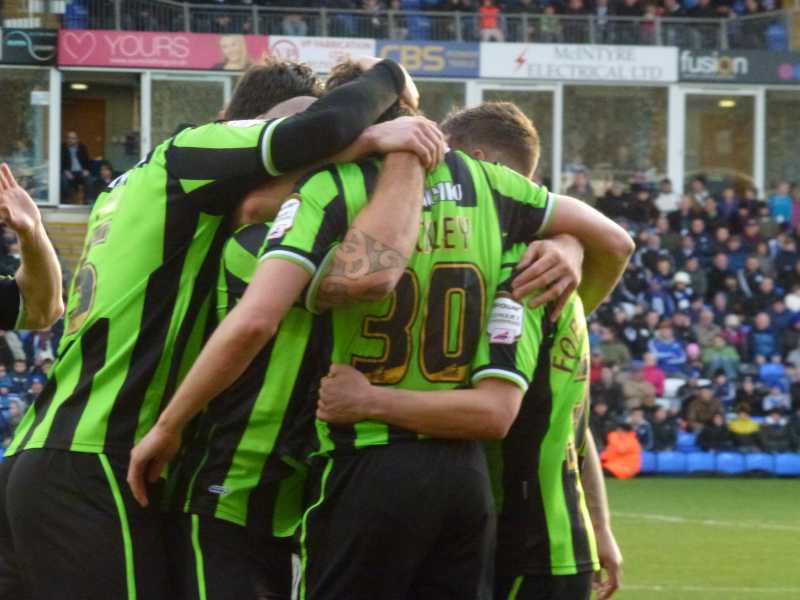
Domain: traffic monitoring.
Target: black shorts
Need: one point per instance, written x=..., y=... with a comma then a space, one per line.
x=544, y=587
x=70, y=528
x=408, y=520
x=217, y=560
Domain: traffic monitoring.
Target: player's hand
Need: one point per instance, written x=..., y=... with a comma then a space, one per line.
x=17, y=208
x=344, y=396
x=418, y=135
x=552, y=266
x=149, y=458
x=410, y=93
x=610, y=564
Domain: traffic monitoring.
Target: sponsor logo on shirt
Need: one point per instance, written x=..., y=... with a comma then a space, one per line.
x=285, y=219
x=505, y=321
x=219, y=490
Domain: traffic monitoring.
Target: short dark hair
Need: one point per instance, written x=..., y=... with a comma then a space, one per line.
x=500, y=126
x=265, y=85
x=346, y=71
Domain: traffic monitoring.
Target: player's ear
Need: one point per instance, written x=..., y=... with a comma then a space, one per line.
x=478, y=153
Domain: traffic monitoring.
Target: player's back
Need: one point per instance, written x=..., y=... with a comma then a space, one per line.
x=136, y=310
x=425, y=335
x=543, y=524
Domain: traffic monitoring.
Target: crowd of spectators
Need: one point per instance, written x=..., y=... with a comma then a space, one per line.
x=703, y=333
x=570, y=21
x=25, y=356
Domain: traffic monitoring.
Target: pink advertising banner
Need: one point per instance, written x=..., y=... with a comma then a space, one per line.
x=140, y=49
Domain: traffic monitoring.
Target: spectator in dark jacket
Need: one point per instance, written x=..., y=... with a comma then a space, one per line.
x=642, y=428
x=773, y=435
x=601, y=423
x=715, y=436
x=762, y=340
x=665, y=430
x=74, y=164
x=609, y=392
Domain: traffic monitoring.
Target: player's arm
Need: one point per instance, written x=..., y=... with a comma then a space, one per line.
x=485, y=412
x=373, y=255
x=607, y=249
x=597, y=502
x=33, y=300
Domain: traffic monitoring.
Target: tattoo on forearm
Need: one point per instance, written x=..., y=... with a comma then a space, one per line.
x=359, y=256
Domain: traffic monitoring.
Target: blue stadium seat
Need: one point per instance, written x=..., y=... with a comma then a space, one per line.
x=649, y=463
x=760, y=461
x=687, y=442
x=700, y=462
x=672, y=463
x=730, y=463
x=788, y=464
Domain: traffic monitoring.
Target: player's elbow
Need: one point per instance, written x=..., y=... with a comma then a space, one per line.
x=503, y=412
x=256, y=329
x=44, y=316
x=621, y=245
x=377, y=287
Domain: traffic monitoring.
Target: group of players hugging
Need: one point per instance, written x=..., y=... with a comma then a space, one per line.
x=322, y=326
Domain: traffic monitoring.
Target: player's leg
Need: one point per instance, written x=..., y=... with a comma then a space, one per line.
x=460, y=566
x=544, y=587
x=79, y=533
x=375, y=519
x=272, y=567
x=211, y=559
x=11, y=585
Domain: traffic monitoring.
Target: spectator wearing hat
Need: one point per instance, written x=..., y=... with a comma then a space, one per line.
x=721, y=356
x=682, y=293
x=744, y=430
x=642, y=428
x=670, y=353
x=702, y=408
x=715, y=437
x=773, y=435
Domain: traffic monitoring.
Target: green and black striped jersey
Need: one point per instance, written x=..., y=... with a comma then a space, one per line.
x=244, y=464
x=137, y=305
x=543, y=523
x=11, y=313
x=427, y=333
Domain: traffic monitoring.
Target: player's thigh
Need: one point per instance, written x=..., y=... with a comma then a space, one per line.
x=272, y=567
x=11, y=585
x=211, y=558
x=375, y=519
x=460, y=564
x=79, y=533
x=544, y=587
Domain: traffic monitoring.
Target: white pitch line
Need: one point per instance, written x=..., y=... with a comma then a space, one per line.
x=713, y=589
x=709, y=522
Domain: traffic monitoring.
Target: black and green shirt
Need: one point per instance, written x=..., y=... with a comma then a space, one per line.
x=134, y=319
x=244, y=462
x=427, y=333
x=543, y=523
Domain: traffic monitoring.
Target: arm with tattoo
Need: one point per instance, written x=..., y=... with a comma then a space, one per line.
x=370, y=261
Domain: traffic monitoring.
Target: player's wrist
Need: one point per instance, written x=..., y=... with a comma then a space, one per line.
x=168, y=424
x=376, y=403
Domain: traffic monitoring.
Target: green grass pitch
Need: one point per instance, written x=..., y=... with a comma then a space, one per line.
x=708, y=539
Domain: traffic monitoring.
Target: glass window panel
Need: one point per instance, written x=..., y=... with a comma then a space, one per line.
x=538, y=106
x=437, y=98
x=783, y=142
x=719, y=139
x=614, y=132
x=24, y=127
x=177, y=102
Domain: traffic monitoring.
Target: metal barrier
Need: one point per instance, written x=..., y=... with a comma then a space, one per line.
x=764, y=31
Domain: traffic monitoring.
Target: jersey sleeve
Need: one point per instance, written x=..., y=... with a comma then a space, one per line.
x=11, y=313
x=509, y=348
x=524, y=208
x=309, y=222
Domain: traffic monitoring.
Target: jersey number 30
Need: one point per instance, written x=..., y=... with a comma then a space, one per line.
x=453, y=320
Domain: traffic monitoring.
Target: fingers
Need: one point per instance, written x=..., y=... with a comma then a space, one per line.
x=5, y=177
x=549, y=295
x=436, y=140
x=531, y=254
x=540, y=266
x=136, y=480
x=542, y=282
x=558, y=307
